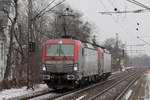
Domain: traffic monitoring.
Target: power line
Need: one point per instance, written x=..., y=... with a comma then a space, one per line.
x=143, y=40
x=120, y=25
x=133, y=11
x=115, y=8
x=139, y=4
x=45, y=8
x=120, y=12
x=44, y=11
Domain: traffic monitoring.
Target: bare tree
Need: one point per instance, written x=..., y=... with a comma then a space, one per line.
x=38, y=27
x=12, y=30
x=46, y=24
x=140, y=61
x=70, y=23
x=116, y=48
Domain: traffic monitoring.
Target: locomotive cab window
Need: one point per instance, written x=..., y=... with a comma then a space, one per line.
x=53, y=50
x=67, y=50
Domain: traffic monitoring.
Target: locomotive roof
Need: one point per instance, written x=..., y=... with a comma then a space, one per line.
x=64, y=40
x=83, y=43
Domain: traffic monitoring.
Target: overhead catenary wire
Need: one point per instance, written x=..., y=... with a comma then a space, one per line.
x=143, y=40
x=125, y=10
x=119, y=12
x=45, y=8
x=52, y=7
x=115, y=8
x=44, y=11
x=122, y=27
x=147, y=9
x=139, y=4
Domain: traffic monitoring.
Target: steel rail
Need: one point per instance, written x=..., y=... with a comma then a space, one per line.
x=61, y=96
x=37, y=95
x=113, y=85
x=86, y=88
x=74, y=91
x=125, y=90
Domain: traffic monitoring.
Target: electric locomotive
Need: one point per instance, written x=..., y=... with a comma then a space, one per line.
x=68, y=63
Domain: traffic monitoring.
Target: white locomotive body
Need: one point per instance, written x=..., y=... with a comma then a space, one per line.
x=69, y=63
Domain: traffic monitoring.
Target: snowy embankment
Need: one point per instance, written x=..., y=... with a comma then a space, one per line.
x=15, y=94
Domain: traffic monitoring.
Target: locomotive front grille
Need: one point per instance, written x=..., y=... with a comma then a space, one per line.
x=68, y=67
x=51, y=68
x=59, y=68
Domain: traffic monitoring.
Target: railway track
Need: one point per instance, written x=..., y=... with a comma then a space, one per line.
x=62, y=95
x=104, y=94
x=90, y=91
x=84, y=92
x=73, y=94
x=37, y=95
x=126, y=89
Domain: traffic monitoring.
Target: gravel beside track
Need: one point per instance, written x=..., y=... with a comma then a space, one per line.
x=91, y=90
x=88, y=92
x=113, y=91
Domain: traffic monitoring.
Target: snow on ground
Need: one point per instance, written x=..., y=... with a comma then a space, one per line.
x=148, y=75
x=147, y=87
x=45, y=97
x=116, y=72
x=17, y=92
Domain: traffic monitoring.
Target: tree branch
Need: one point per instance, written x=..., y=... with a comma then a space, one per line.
x=7, y=14
x=20, y=46
x=43, y=9
x=52, y=8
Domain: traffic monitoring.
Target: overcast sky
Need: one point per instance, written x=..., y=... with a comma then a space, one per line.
x=123, y=24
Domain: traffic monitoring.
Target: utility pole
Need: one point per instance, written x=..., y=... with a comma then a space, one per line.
x=31, y=42
x=31, y=45
x=118, y=58
x=117, y=40
x=94, y=39
x=64, y=18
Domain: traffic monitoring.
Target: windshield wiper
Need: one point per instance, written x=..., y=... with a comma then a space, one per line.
x=61, y=51
x=55, y=54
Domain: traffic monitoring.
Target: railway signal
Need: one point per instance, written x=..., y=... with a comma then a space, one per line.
x=31, y=46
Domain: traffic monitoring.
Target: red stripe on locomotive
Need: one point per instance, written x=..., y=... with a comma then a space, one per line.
x=99, y=52
x=65, y=41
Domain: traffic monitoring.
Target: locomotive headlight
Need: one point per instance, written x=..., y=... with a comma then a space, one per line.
x=60, y=42
x=75, y=67
x=44, y=68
